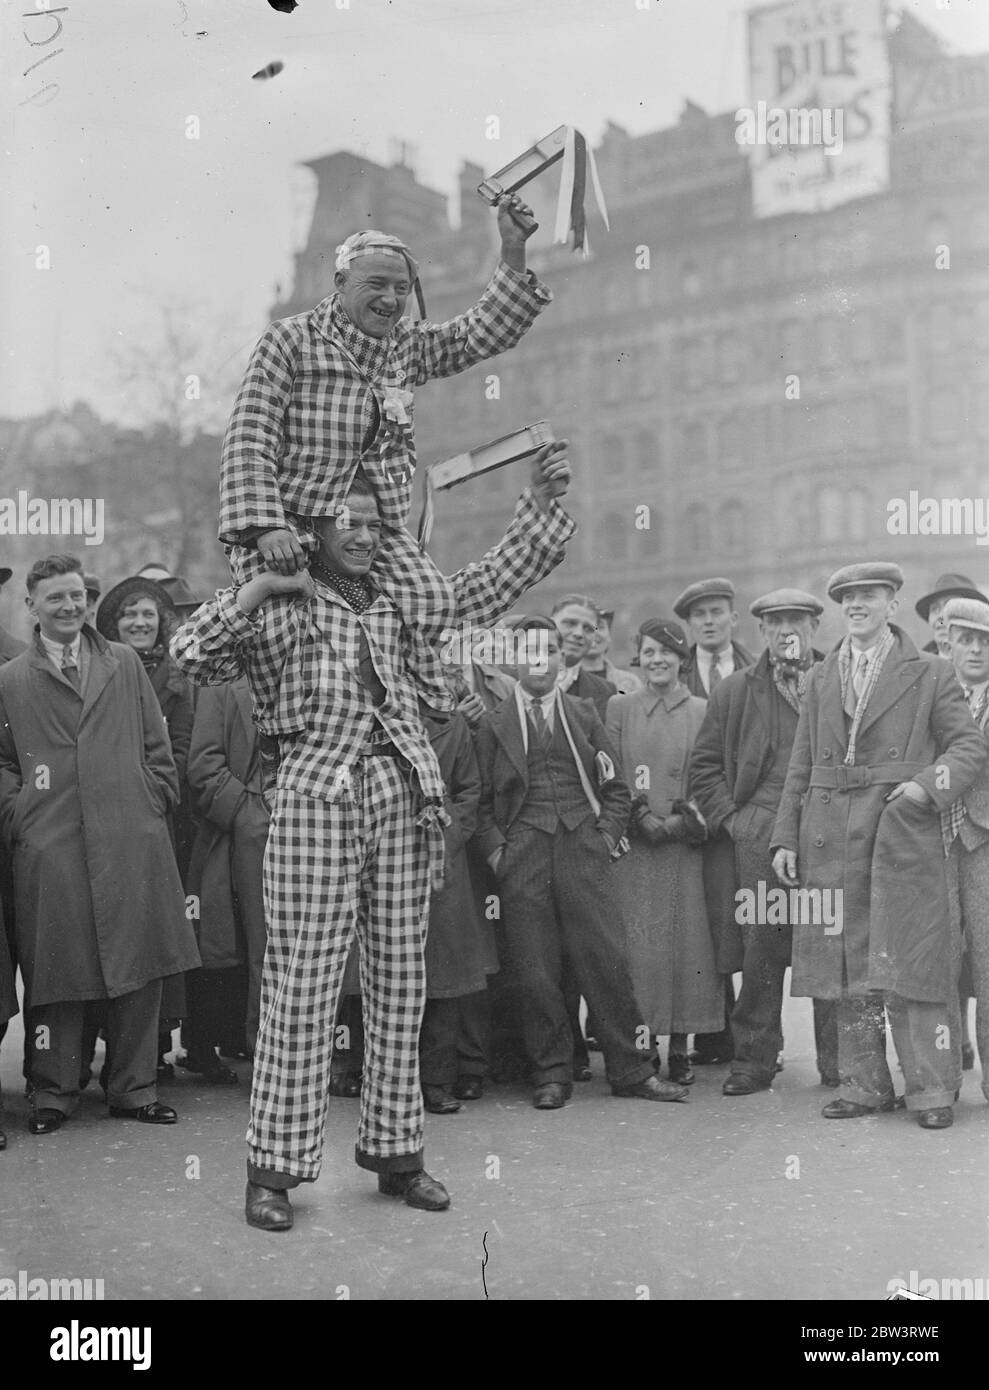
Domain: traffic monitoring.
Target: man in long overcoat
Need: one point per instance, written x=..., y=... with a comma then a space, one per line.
x=708, y=607
x=737, y=770
x=86, y=781
x=885, y=741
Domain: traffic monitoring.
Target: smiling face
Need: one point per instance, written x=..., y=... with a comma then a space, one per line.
x=349, y=542
x=601, y=641
x=659, y=665
x=137, y=623
x=867, y=609
x=539, y=677
x=970, y=654
x=789, y=633
x=58, y=605
x=711, y=622
x=373, y=292
x=576, y=626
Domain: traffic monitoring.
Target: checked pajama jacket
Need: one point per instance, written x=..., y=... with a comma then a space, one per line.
x=317, y=401
x=345, y=853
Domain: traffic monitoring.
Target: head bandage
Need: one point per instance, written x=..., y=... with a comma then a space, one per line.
x=374, y=244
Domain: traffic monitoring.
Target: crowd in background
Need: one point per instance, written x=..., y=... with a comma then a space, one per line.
x=169, y=785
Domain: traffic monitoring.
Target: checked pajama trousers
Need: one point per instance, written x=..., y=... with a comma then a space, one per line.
x=332, y=868
x=408, y=576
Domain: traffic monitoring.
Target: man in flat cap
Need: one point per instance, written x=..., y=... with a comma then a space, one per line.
x=737, y=771
x=708, y=608
x=885, y=741
x=931, y=608
x=965, y=825
x=327, y=397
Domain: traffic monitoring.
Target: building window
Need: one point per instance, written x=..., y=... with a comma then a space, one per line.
x=858, y=514
x=731, y=526
x=731, y=354
x=648, y=454
x=696, y=530
x=693, y=442
x=830, y=514
x=690, y=279
x=614, y=532
x=940, y=335
x=860, y=336
x=944, y=415
x=612, y=455
x=730, y=438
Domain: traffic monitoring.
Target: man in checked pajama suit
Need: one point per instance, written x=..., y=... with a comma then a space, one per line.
x=356, y=838
x=330, y=391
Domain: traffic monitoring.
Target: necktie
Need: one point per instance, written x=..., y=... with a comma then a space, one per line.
x=714, y=675
x=70, y=668
x=858, y=679
x=539, y=722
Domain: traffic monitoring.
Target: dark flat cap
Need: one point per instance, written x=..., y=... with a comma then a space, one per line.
x=703, y=588
x=92, y=584
x=948, y=586
x=867, y=572
x=791, y=600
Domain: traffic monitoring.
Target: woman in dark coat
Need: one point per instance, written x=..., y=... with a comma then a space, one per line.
x=139, y=612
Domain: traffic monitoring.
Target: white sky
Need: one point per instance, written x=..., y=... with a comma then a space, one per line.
x=135, y=213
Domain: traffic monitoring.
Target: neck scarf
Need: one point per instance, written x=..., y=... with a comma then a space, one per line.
x=879, y=654
x=792, y=690
x=369, y=354
x=356, y=593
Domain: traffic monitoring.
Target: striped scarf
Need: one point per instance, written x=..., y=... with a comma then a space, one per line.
x=881, y=652
x=952, y=818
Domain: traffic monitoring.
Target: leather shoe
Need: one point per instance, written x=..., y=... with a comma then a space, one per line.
x=348, y=1085
x=439, y=1101
x=211, y=1069
x=551, y=1096
x=943, y=1117
x=583, y=1074
x=468, y=1088
x=739, y=1084
x=968, y=1057
x=851, y=1110
x=680, y=1070
x=45, y=1121
x=268, y=1208
x=416, y=1189
x=651, y=1089
x=153, y=1114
